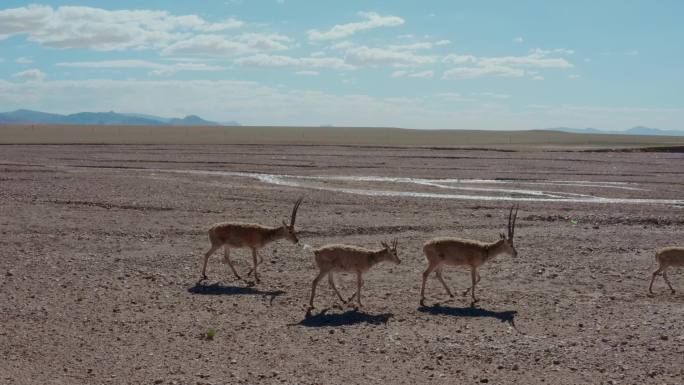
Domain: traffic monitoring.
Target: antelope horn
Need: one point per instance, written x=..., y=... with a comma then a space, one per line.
x=512, y=218
x=294, y=211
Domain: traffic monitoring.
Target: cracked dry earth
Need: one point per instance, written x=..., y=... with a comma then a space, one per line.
x=101, y=247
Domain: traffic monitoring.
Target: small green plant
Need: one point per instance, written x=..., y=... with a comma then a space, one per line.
x=574, y=221
x=210, y=334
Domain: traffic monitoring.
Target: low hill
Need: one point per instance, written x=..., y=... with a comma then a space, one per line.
x=638, y=130
x=101, y=118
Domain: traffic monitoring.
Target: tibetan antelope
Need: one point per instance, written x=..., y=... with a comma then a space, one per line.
x=465, y=252
x=666, y=257
x=248, y=235
x=339, y=258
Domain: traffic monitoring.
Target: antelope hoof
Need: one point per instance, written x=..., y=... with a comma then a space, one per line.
x=673, y=291
x=204, y=277
x=422, y=302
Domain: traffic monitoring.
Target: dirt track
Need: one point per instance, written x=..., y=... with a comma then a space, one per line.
x=100, y=253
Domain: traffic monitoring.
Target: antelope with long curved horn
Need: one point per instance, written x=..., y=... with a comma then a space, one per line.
x=248, y=235
x=465, y=252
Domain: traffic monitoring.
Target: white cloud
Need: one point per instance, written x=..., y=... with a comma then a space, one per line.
x=246, y=102
x=157, y=69
x=421, y=74
x=307, y=73
x=372, y=20
x=425, y=45
x=262, y=60
x=476, y=72
x=459, y=59
x=518, y=39
x=533, y=60
x=559, y=51
x=537, y=77
x=632, y=52
x=254, y=103
x=30, y=75
x=219, y=45
x=369, y=56
x=505, y=66
x=23, y=60
x=453, y=97
x=411, y=47
x=105, y=30
x=492, y=95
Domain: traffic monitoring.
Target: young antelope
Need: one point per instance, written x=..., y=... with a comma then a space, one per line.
x=666, y=257
x=346, y=258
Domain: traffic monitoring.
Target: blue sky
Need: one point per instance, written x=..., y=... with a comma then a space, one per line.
x=429, y=64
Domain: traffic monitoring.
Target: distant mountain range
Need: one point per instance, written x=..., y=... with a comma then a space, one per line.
x=103, y=118
x=638, y=130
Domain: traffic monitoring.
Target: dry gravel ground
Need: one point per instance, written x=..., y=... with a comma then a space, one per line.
x=100, y=254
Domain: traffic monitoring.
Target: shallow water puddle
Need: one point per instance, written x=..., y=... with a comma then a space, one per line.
x=496, y=190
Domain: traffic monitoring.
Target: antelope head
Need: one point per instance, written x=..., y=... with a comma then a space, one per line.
x=508, y=240
x=391, y=251
x=289, y=230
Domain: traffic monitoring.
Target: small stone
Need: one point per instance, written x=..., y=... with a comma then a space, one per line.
x=484, y=380
x=515, y=367
x=9, y=274
x=158, y=381
x=664, y=338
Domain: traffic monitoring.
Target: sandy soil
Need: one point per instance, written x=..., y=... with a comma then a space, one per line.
x=100, y=253
x=376, y=136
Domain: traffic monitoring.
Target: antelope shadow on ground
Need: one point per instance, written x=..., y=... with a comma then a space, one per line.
x=507, y=316
x=218, y=289
x=350, y=317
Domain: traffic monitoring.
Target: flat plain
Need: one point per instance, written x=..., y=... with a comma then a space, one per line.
x=101, y=247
